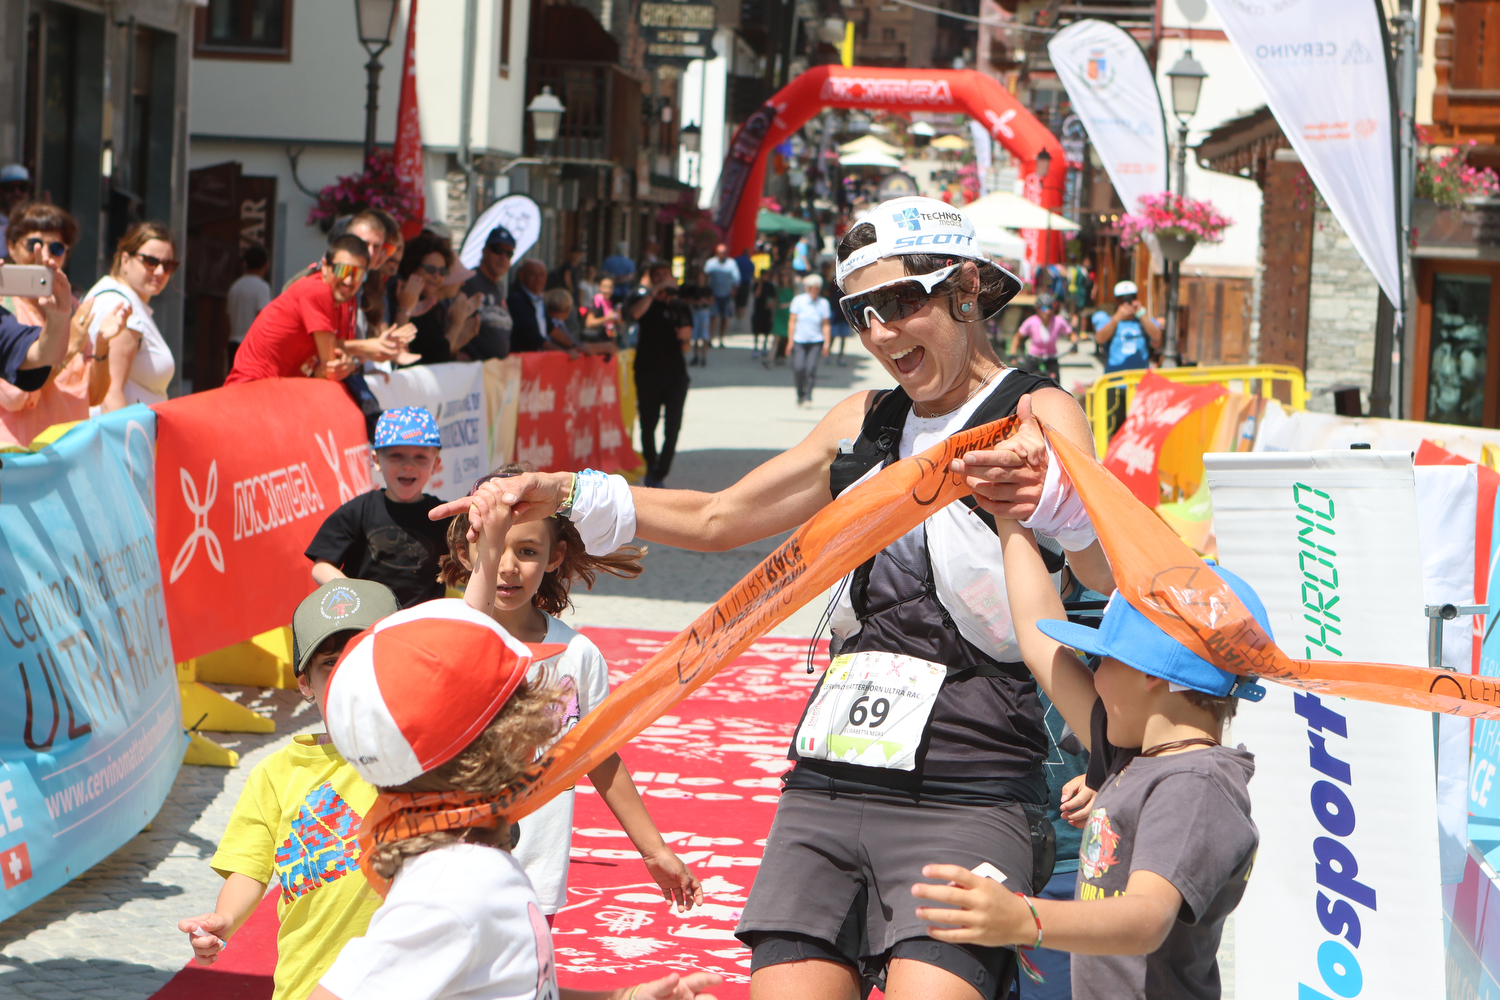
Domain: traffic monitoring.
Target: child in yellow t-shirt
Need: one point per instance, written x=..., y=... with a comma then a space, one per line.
x=298, y=817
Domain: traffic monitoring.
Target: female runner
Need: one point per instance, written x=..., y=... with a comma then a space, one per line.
x=926, y=743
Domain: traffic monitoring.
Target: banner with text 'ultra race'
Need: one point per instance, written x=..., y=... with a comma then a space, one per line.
x=90, y=721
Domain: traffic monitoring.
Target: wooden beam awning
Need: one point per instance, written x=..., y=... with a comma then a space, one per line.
x=1242, y=145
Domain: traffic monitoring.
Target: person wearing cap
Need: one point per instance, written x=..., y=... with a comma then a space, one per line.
x=434, y=706
x=386, y=535
x=15, y=189
x=1169, y=842
x=1041, y=331
x=297, y=818
x=949, y=767
x=1128, y=334
x=493, y=339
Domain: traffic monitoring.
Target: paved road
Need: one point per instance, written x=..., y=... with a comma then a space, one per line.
x=112, y=933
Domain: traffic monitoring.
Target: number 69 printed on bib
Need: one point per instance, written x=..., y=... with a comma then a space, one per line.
x=871, y=709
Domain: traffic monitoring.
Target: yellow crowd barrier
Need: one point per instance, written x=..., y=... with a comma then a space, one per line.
x=1280, y=382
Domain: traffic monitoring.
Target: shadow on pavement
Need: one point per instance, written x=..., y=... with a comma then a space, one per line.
x=62, y=978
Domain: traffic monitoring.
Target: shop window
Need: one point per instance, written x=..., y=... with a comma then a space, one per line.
x=1458, y=360
x=244, y=29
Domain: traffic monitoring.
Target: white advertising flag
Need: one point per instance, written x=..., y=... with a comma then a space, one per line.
x=454, y=394
x=1114, y=93
x=1345, y=899
x=1322, y=67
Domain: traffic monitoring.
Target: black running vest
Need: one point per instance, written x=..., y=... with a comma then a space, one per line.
x=986, y=725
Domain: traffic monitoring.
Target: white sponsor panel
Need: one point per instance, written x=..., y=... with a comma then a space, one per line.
x=1114, y=93
x=1345, y=891
x=1322, y=67
x=454, y=394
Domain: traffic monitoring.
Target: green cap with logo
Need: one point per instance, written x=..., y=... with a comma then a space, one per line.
x=338, y=606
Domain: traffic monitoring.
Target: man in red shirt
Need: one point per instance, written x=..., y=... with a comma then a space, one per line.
x=309, y=328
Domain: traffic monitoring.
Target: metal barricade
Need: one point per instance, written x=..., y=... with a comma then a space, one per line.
x=1281, y=382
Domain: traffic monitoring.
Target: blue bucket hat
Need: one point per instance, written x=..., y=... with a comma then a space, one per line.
x=409, y=425
x=1133, y=639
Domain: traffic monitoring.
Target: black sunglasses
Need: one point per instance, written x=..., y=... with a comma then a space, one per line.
x=56, y=248
x=153, y=263
x=502, y=251
x=893, y=300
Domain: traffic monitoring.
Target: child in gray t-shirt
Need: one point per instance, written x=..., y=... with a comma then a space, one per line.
x=1169, y=842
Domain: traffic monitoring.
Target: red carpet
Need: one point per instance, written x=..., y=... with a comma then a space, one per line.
x=709, y=776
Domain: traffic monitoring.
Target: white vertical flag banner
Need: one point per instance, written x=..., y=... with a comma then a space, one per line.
x=1114, y=93
x=983, y=154
x=1345, y=896
x=1322, y=66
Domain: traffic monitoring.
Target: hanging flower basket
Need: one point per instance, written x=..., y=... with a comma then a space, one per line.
x=1448, y=179
x=1178, y=224
x=376, y=187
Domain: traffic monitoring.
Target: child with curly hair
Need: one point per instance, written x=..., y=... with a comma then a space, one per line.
x=524, y=575
x=434, y=706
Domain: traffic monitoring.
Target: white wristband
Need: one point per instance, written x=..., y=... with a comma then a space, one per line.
x=1060, y=513
x=603, y=511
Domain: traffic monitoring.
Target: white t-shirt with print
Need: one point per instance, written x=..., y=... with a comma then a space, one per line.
x=460, y=923
x=547, y=834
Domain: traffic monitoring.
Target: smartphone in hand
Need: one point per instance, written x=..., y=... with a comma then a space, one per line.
x=25, y=281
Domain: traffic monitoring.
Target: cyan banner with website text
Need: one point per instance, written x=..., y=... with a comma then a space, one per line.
x=90, y=722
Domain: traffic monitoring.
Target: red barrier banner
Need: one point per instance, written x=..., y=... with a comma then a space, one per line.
x=1158, y=406
x=245, y=475
x=570, y=414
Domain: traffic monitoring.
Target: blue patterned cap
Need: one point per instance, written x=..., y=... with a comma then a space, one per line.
x=409, y=425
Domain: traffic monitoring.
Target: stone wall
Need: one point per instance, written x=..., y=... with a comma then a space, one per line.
x=1342, y=304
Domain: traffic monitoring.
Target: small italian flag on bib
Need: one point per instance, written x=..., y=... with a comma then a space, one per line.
x=806, y=744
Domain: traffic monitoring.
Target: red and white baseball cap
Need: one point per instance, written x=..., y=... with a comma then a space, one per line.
x=411, y=691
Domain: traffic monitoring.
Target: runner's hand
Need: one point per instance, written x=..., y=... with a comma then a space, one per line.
x=532, y=495
x=1077, y=800
x=678, y=884
x=203, y=934
x=1007, y=481
x=676, y=987
x=988, y=914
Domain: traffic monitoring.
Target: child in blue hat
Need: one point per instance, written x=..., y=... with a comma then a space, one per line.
x=385, y=535
x=1169, y=842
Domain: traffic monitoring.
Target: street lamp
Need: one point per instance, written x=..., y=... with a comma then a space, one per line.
x=1186, y=77
x=546, y=113
x=1044, y=167
x=376, y=19
x=691, y=137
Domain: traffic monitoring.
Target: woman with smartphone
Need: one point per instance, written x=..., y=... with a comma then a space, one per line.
x=140, y=363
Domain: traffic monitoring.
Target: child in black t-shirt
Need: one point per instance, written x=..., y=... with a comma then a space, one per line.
x=385, y=535
x=1169, y=842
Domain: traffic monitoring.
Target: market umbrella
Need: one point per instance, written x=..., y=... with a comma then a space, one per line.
x=774, y=222
x=870, y=144
x=953, y=143
x=1003, y=210
x=1000, y=242
x=870, y=160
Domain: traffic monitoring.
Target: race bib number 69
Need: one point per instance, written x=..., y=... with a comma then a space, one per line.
x=871, y=710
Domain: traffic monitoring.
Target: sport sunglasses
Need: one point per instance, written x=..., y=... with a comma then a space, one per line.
x=892, y=300
x=342, y=272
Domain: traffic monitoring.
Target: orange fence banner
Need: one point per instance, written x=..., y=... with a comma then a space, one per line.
x=1135, y=451
x=1164, y=580
x=245, y=476
x=570, y=414
x=830, y=545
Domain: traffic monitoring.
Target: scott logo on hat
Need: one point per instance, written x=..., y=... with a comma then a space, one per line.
x=339, y=603
x=908, y=218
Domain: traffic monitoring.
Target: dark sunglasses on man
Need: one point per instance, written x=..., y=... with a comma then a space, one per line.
x=501, y=249
x=56, y=248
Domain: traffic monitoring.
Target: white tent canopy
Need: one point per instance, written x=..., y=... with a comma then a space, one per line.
x=1003, y=210
x=870, y=144
x=870, y=159
x=1000, y=242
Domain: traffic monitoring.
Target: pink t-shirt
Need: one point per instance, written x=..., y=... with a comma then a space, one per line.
x=1040, y=341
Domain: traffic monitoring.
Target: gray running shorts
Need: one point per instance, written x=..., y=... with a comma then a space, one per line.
x=824, y=852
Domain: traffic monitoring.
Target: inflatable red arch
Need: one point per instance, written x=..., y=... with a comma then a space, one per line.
x=737, y=200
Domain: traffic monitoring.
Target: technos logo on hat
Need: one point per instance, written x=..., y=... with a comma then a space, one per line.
x=908, y=218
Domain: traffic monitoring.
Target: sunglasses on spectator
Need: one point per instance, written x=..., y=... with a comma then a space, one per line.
x=156, y=263
x=893, y=300
x=56, y=248
x=503, y=251
x=434, y=270
x=386, y=248
x=347, y=272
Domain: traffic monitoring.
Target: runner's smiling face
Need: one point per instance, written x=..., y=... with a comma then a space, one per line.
x=928, y=353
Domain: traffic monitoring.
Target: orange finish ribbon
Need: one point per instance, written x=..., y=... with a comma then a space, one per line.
x=398, y=815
